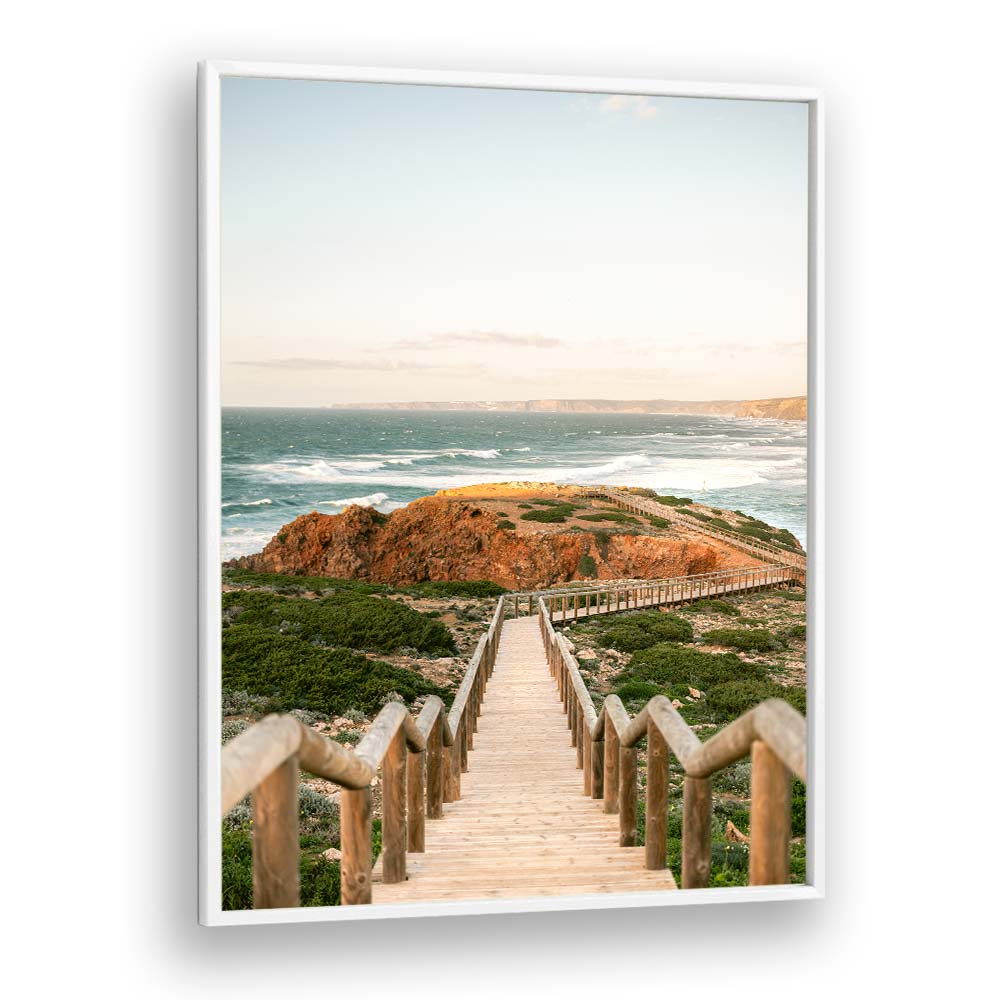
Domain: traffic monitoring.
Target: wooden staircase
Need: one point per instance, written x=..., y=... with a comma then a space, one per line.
x=523, y=826
x=522, y=788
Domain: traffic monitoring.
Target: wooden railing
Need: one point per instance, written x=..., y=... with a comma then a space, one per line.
x=421, y=761
x=773, y=735
x=579, y=601
x=642, y=505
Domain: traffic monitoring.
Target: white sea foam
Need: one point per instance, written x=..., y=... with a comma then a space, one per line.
x=372, y=500
x=249, y=503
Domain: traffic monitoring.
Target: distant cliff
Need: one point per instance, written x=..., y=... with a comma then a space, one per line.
x=783, y=408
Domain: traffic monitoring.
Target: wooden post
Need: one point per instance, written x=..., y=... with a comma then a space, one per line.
x=628, y=791
x=597, y=769
x=610, y=767
x=276, y=838
x=416, y=801
x=770, y=816
x=696, y=835
x=394, y=810
x=516, y=602
x=588, y=771
x=435, y=771
x=576, y=606
x=356, y=846
x=657, y=784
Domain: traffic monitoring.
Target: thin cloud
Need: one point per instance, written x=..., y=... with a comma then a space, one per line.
x=478, y=337
x=636, y=105
x=363, y=365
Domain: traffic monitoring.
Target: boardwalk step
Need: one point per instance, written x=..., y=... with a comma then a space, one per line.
x=523, y=826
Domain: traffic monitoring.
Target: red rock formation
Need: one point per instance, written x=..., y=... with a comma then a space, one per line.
x=436, y=538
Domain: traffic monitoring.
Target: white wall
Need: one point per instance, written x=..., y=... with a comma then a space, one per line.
x=99, y=549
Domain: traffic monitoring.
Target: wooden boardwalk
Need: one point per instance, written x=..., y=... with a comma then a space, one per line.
x=571, y=605
x=523, y=826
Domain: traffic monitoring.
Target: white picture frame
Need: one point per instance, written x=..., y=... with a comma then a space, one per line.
x=210, y=76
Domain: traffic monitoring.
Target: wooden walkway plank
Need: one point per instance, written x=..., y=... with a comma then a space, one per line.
x=523, y=826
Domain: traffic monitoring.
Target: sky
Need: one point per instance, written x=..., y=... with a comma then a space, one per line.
x=388, y=243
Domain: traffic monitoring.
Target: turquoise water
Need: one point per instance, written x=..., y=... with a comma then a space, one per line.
x=279, y=463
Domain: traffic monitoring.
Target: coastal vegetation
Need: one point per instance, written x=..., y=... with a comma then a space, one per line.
x=326, y=659
x=623, y=654
x=349, y=620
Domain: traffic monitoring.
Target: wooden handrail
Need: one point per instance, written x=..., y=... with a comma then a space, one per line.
x=625, y=595
x=772, y=734
x=641, y=505
x=418, y=776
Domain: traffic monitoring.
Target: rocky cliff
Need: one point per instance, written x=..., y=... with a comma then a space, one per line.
x=441, y=538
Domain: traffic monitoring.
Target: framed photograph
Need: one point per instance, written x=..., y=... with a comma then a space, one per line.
x=511, y=493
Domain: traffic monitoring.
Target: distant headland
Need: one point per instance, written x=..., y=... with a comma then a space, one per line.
x=781, y=408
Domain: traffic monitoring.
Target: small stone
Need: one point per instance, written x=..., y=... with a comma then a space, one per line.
x=695, y=693
x=676, y=703
x=332, y=854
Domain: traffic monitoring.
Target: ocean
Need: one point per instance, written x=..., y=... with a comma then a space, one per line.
x=280, y=463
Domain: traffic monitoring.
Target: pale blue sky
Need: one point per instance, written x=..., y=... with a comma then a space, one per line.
x=389, y=242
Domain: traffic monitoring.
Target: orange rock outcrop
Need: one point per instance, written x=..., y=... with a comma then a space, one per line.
x=438, y=538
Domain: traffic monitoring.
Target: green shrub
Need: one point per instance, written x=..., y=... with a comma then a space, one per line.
x=241, y=703
x=456, y=588
x=798, y=808
x=233, y=728
x=555, y=513
x=715, y=604
x=319, y=879
x=640, y=631
x=292, y=673
x=719, y=522
x=764, y=534
x=792, y=595
x=636, y=691
x=525, y=506
x=698, y=514
x=732, y=698
x=616, y=516
x=796, y=631
x=350, y=620
x=284, y=582
x=586, y=566
x=657, y=522
x=602, y=539
x=670, y=501
x=506, y=525
x=748, y=640
x=667, y=663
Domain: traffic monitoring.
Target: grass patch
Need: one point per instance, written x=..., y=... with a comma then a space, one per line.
x=350, y=620
x=586, y=566
x=292, y=673
x=793, y=595
x=795, y=631
x=657, y=522
x=747, y=640
x=506, y=525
